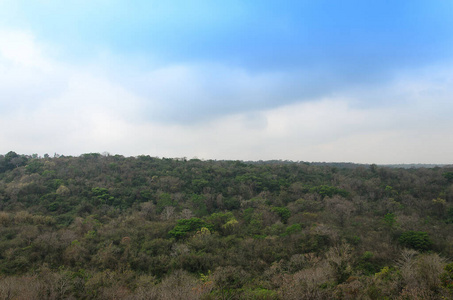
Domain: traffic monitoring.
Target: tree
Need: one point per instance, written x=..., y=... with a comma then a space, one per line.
x=12, y=160
x=185, y=226
x=448, y=176
x=283, y=212
x=417, y=240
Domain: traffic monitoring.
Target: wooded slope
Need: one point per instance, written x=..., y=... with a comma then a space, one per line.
x=104, y=227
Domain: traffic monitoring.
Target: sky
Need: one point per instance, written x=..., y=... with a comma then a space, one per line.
x=325, y=81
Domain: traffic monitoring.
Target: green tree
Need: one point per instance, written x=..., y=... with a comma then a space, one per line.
x=283, y=212
x=390, y=220
x=448, y=176
x=186, y=226
x=418, y=240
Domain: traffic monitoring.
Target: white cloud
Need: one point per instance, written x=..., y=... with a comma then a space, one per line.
x=51, y=106
x=48, y=106
x=329, y=130
x=20, y=48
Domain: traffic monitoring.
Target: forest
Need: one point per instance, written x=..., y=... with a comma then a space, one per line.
x=101, y=226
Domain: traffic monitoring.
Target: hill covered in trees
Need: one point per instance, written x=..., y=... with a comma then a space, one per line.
x=113, y=227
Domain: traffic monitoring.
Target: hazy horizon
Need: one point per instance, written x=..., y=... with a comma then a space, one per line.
x=318, y=81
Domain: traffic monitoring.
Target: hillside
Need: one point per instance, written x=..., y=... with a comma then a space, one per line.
x=108, y=226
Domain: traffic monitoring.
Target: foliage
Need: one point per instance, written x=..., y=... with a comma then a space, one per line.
x=185, y=226
x=114, y=227
x=450, y=215
x=390, y=220
x=448, y=176
x=328, y=191
x=447, y=277
x=417, y=240
x=295, y=228
x=283, y=212
x=103, y=195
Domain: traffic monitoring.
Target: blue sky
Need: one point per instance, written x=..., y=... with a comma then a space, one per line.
x=360, y=81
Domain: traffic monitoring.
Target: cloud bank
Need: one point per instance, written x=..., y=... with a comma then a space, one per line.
x=276, y=92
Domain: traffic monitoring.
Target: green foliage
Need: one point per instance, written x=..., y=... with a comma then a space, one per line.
x=103, y=195
x=417, y=240
x=449, y=217
x=232, y=203
x=130, y=219
x=295, y=228
x=34, y=166
x=199, y=184
x=229, y=280
x=146, y=195
x=186, y=226
x=448, y=176
x=247, y=214
x=156, y=247
x=53, y=206
x=164, y=200
x=367, y=264
x=91, y=156
x=199, y=205
x=90, y=235
x=219, y=220
x=56, y=183
x=328, y=191
x=386, y=274
x=315, y=243
x=390, y=220
x=283, y=212
x=255, y=226
x=12, y=160
x=447, y=277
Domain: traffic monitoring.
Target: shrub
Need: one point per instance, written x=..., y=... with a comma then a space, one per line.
x=418, y=240
x=185, y=226
x=283, y=212
x=295, y=228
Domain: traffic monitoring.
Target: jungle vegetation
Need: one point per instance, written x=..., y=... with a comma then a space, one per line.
x=102, y=226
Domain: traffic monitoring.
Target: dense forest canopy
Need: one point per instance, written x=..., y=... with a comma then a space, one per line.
x=108, y=226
